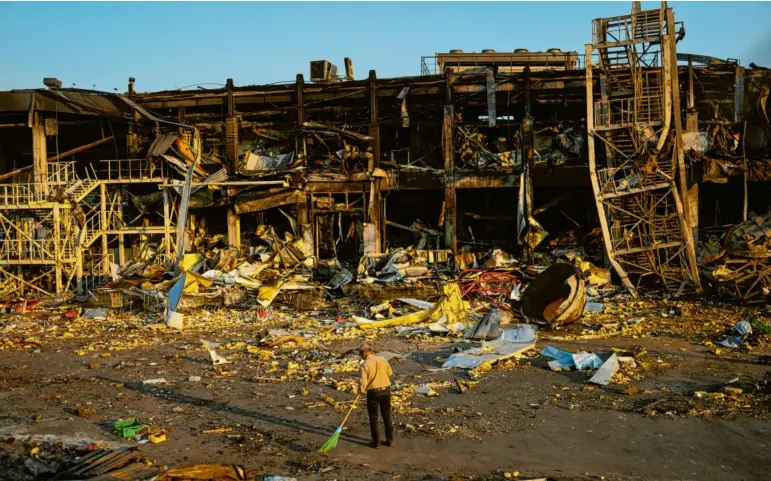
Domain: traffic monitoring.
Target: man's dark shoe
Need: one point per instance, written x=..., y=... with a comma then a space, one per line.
x=388, y=443
x=374, y=445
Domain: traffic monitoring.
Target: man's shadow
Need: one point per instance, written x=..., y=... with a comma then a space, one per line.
x=166, y=394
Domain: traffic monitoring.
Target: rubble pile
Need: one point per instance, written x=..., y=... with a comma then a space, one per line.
x=739, y=264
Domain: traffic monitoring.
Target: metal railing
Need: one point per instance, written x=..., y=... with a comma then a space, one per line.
x=133, y=169
x=27, y=250
x=431, y=64
x=16, y=194
x=92, y=229
x=637, y=27
x=61, y=173
x=627, y=179
x=98, y=264
x=96, y=269
x=163, y=260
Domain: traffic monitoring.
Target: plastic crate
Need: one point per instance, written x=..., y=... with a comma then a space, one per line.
x=128, y=428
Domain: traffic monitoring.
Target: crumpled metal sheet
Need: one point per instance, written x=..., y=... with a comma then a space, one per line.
x=751, y=238
x=161, y=144
x=556, y=297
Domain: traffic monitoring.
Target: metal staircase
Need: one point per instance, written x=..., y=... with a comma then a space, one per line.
x=80, y=189
x=640, y=209
x=93, y=229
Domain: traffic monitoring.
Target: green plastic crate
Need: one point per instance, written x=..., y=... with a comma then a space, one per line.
x=128, y=428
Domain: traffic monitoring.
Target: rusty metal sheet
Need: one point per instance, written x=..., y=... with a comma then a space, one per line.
x=267, y=200
x=63, y=101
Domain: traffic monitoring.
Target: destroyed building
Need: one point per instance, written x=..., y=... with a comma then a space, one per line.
x=628, y=148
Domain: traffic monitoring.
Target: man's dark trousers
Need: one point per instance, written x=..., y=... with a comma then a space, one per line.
x=380, y=398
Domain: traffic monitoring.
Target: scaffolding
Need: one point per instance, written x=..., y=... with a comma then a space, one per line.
x=55, y=235
x=637, y=119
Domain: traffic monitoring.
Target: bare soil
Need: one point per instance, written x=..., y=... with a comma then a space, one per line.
x=519, y=417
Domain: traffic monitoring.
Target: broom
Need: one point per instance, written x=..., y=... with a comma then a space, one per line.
x=332, y=442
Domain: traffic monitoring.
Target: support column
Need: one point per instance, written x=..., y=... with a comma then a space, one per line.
x=39, y=155
x=306, y=228
x=231, y=129
x=234, y=228
x=692, y=125
x=78, y=269
x=121, y=237
x=57, y=248
x=103, y=226
x=374, y=163
x=144, y=239
x=133, y=145
x=448, y=153
x=299, y=146
x=692, y=122
x=690, y=206
x=739, y=117
x=525, y=199
x=167, y=223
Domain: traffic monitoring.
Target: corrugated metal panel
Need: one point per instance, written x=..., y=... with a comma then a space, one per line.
x=64, y=101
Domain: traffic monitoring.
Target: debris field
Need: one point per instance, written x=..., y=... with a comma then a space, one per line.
x=565, y=257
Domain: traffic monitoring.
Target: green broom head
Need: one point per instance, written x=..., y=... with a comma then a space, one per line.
x=332, y=442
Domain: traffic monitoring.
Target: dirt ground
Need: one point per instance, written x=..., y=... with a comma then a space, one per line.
x=280, y=405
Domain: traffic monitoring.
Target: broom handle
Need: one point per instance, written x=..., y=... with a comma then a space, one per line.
x=350, y=410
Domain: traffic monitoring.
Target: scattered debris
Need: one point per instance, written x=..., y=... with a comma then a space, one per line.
x=513, y=341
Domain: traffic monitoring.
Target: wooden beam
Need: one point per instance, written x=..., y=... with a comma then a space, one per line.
x=16, y=172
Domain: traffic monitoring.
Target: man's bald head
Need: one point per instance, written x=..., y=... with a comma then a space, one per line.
x=365, y=350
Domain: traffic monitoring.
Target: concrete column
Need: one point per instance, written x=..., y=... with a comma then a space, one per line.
x=448, y=153
x=39, y=155
x=299, y=148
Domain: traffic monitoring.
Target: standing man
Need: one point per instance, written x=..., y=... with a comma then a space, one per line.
x=376, y=382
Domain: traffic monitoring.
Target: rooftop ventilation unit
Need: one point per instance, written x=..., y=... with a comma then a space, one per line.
x=323, y=71
x=52, y=82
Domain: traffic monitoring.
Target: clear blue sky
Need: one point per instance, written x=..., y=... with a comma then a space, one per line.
x=173, y=45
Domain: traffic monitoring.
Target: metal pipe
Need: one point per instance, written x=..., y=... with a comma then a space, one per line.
x=242, y=183
x=80, y=149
